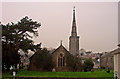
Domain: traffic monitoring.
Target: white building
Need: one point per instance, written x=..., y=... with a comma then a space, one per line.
x=117, y=63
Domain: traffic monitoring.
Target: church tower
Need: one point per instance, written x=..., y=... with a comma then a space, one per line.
x=74, y=39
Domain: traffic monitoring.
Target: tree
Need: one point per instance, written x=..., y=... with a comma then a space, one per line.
x=43, y=60
x=73, y=62
x=9, y=56
x=88, y=65
x=20, y=36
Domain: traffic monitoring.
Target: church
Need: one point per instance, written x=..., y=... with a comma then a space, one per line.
x=59, y=55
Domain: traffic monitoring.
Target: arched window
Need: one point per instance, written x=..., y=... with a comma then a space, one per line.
x=58, y=61
x=61, y=60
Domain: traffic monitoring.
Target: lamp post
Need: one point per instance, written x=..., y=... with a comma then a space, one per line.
x=99, y=59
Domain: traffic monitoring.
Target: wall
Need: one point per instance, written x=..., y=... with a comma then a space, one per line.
x=119, y=66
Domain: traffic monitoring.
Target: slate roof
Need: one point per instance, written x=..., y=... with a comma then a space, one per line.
x=116, y=51
x=61, y=46
x=108, y=54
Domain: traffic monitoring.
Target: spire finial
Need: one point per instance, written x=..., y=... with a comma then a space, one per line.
x=61, y=42
x=74, y=14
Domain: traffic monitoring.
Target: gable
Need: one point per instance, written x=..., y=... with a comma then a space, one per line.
x=59, y=50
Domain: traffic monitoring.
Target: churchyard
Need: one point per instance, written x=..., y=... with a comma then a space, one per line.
x=19, y=51
x=96, y=74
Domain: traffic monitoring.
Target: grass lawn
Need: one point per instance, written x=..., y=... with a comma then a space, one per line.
x=96, y=74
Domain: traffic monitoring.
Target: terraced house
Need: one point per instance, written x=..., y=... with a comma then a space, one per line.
x=107, y=60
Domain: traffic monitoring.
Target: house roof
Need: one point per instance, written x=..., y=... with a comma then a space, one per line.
x=109, y=54
x=116, y=51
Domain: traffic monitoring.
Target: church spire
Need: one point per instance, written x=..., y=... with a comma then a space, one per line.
x=74, y=33
x=74, y=39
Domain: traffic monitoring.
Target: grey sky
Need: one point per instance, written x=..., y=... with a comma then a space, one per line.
x=97, y=22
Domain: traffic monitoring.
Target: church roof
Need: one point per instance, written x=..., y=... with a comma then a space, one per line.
x=61, y=46
x=35, y=53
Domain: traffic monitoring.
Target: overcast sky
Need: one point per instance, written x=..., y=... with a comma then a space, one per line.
x=97, y=22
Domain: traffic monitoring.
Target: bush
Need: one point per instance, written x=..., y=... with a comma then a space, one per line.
x=102, y=67
x=88, y=65
x=108, y=70
x=74, y=63
x=92, y=70
x=43, y=60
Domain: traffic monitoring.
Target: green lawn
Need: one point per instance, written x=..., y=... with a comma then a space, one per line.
x=95, y=74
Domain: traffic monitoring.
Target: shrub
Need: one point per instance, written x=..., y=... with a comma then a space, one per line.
x=102, y=67
x=92, y=70
x=43, y=60
x=74, y=63
x=88, y=65
x=108, y=70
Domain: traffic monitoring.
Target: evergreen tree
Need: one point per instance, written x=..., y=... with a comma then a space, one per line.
x=18, y=36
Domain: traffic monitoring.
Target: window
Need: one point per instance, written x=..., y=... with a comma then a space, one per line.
x=111, y=60
x=115, y=59
x=58, y=62
x=61, y=60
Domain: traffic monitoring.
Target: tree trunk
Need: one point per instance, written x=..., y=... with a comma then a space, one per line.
x=3, y=67
x=15, y=66
x=22, y=65
x=19, y=66
x=8, y=68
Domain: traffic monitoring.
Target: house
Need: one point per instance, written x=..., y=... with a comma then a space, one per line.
x=117, y=62
x=106, y=60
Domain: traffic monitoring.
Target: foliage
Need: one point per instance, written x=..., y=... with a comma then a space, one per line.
x=102, y=67
x=73, y=62
x=18, y=36
x=88, y=65
x=108, y=70
x=43, y=60
x=9, y=55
